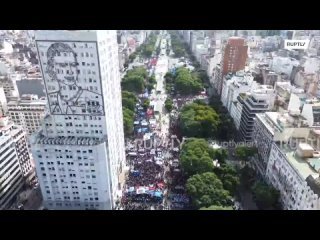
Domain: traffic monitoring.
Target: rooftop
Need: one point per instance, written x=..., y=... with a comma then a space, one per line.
x=278, y=122
x=302, y=166
x=34, y=103
x=84, y=141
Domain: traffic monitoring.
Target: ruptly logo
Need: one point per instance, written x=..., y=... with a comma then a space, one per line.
x=296, y=44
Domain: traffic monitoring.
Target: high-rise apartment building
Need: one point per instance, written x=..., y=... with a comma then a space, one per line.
x=9, y=86
x=3, y=103
x=79, y=151
x=234, y=57
x=15, y=162
x=27, y=112
x=259, y=100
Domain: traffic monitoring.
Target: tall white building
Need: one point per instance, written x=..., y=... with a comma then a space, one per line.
x=259, y=100
x=3, y=103
x=15, y=162
x=295, y=173
x=27, y=112
x=234, y=85
x=9, y=86
x=289, y=158
x=79, y=152
x=270, y=127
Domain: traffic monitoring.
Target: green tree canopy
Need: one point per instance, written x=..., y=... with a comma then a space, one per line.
x=197, y=120
x=132, y=57
x=213, y=207
x=244, y=153
x=169, y=78
x=196, y=156
x=147, y=50
x=129, y=100
x=134, y=80
x=146, y=104
x=229, y=177
x=133, y=84
x=168, y=104
x=128, y=119
x=185, y=83
x=206, y=190
x=220, y=154
x=247, y=176
x=266, y=196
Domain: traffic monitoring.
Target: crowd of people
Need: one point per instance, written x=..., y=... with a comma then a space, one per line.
x=145, y=184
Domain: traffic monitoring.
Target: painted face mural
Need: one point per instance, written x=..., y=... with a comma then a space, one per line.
x=68, y=91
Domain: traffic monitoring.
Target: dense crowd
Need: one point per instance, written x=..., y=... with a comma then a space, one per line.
x=145, y=185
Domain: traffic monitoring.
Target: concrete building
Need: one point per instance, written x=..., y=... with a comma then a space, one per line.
x=217, y=78
x=284, y=93
x=3, y=103
x=295, y=173
x=311, y=111
x=79, y=151
x=15, y=162
x=236, y=112
x=307, y=81
x=253, y=42
x=213, y=62
x=258, y=100
x=9, y=87
x=270, y=127
x=283, y=64
x=233, y=85
x=27, y=112
x=197, y=38
x=285, y=159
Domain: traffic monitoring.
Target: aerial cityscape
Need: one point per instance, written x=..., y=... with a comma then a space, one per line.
x=159, y=119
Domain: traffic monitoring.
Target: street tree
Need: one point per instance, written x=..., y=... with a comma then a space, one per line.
x=247, y=177
x=169, y=78
x=228, y=176
x=168, y=104
x=197, y=120
x=219, y=154
x=146, y=104
x=206, y=190
x=133, y=84
x=132, y=57
x=128, y=119
x=134, y=80
x=266, y=196
x=129, y=100
x=185, y=83
x=244, y=153
x=214, y=207
x=196, y=156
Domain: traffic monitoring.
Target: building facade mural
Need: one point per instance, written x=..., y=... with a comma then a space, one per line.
x=71, y=87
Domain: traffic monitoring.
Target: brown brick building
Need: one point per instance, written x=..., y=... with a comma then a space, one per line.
x=234, y=57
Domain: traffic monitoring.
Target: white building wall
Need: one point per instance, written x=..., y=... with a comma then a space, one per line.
x=99, y=117
x=283, y=65
x=3, y=103
x=235, y=113
x=11, y=180
x=29, y=116
x=307, y=113
x=295, y=194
